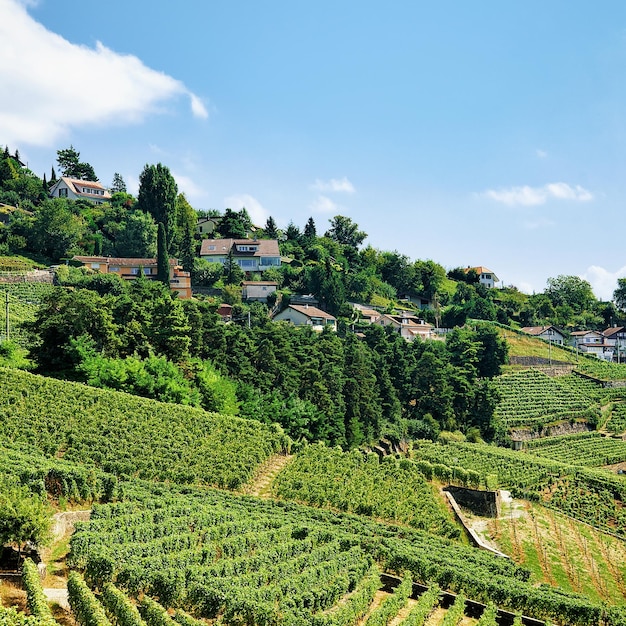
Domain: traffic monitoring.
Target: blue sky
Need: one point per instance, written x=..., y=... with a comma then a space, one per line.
x=484, y=133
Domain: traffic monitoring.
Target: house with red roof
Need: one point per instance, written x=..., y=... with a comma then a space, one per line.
x=131, y=268
x=252, y=255
x=485, y=276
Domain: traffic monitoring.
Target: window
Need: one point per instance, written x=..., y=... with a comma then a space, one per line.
x=211, y=247
x=134, y=271
x=95, y=266
x=63, y=192
x=114, y=268
x=245, y=263
x=147, y=271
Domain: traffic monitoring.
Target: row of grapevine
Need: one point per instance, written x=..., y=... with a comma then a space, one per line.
x=424, y=607
x=590, y=495
x=589, y=449
x=617, y=422
x=602, y=370
x=391, y=489
x=389, y=608
x=37, y=602
x=247, y=565
x=532, y=398
x=133, y=436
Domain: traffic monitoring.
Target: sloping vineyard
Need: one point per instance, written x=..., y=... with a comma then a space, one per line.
x=530, y=398
x=393, y=490
x=588, y=449
x=602, y=370
x=590, y=495
x=247, y=560
x=617, y=421
x=23, y=300
x=132, y=436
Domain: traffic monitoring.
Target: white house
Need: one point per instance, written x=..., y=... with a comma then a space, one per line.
x=616, y=338
x=485, y=276
x=257, y=290
x=593, y=342
x=75, y=189
x=304, y=315
x=409, y=326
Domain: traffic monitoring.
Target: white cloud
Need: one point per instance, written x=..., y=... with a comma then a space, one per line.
x=340, y=185
x=187, y=186
x=257, y=212
x=39, y=104
x=603, y=282
x=534, y=196
x=323, y=204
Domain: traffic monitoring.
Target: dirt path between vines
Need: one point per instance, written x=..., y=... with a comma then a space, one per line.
x=55, y=582
x=260, y=485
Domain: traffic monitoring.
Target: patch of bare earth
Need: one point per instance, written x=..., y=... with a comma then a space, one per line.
x=261, y=484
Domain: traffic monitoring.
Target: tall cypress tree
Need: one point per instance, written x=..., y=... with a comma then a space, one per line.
x=157, y=196
x=163, y=260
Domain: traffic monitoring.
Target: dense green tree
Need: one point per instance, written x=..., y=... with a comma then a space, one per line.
x=157, y=196
x=24, y=516
x=571, y=291
x=56, y=230
x=619, y=295
x=65, y=317
x=186, y=224
x=118, y=185
x=344, y=231
x=163, y=259
x=71, y=166
x=135, y=236
x=310, y=232
x=270, y=229
x=232, y=225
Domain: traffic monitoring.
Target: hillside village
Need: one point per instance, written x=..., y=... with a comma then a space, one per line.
x=256, y=425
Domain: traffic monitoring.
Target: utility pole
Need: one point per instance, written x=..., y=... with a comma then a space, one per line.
x=7, y=316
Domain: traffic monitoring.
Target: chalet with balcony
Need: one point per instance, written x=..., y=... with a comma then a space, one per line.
x=252, y=255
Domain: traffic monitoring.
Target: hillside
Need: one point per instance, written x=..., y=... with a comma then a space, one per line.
x=132, y=436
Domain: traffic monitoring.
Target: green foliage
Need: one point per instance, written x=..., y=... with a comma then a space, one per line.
x=352, y=482
x=121, y=611
x=424, y=607
x=163, y=260
x=590, y=495
x=389, y=608
x=264, y=562
x=86, y=608
x=530, y=398
x=24, y=516
x=157, y=196
x=128, y=435
x=37, y=601
x=72, y=167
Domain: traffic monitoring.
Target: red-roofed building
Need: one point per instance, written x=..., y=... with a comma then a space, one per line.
x=548, y=333
x=131, y=268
